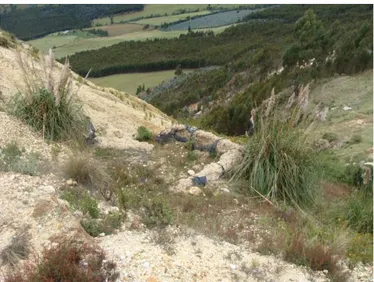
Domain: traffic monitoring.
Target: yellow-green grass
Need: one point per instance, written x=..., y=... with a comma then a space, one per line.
x=68, y=45
x=151, y=9
x=129, y=82
x=170, y=19
x=119, y=29
x=353, y=91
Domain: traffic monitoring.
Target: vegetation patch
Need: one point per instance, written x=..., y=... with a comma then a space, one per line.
x=12, y=158
x=69, y=261
x=81, y=200
x=48, y=106
x=19, y=248
x=143, y=134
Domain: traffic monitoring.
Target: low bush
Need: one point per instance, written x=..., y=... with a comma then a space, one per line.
x=330, y=136
x=355, y=139
x=107, y=225
x=69, y=261
x=82, y=201
x=12, y=158
x=143, y=134
x=157, y=213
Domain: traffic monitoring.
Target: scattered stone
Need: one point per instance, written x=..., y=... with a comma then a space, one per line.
x=190, y=172
x=236, y=201
x=225, y=190
x=102, y=234
x=346, y=108
x=194, y=190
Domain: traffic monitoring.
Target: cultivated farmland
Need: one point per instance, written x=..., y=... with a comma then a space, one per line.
x=170, y=19
x=209, y=21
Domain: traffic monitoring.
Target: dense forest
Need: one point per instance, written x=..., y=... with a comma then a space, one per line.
x=39, y=20
x=338, y=37
x=271, y=30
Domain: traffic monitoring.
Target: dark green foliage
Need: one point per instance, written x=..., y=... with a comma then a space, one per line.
x=143, y=134
x=55, y=122
x=355, y=139
x=39, y=20
x=98, y=32
x=65, y=263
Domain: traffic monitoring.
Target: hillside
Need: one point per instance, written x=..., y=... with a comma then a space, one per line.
x=103, y=185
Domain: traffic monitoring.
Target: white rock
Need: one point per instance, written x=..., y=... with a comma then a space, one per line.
x=225, y=190
x=233, y=266
x=346, y=108
x=194, y=190
x=70, y=182
x=102, y=234
x=191, y=172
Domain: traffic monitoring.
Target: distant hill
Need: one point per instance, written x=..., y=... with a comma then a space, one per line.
x=34, y=21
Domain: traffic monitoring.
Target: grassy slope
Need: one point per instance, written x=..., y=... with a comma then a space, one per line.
x=150, y=9
x=169, y=19
x=68, y=45
x=129, y=82
x=353, y=91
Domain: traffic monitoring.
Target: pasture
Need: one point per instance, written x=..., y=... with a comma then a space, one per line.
x=66, y=45
x=129, y=82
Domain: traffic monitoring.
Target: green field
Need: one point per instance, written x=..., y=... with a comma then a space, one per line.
x=152, y=9
x=170, y=19
x=68, y=45
x=129, y=82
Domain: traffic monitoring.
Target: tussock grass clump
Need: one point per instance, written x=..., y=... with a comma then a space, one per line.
x=278, y=164
x=18, y=249
x=144, y=134
x=359, y=212
x=69, y=261
x=47, y=105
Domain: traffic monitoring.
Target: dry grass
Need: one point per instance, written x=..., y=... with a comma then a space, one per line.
x=18, y=249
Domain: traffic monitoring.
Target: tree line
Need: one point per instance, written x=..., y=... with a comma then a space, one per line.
x=39, y=20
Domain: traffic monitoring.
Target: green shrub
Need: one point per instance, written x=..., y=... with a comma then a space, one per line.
x=330, y=136
x=92, y=227
x=143, y=134
x=157, y=213
x=191, y=156
x=69, y=261
x=82, y=201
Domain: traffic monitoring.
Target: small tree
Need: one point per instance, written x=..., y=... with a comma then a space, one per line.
x=178, y=70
